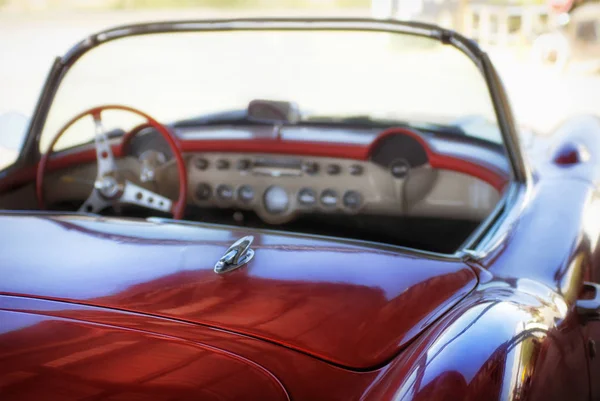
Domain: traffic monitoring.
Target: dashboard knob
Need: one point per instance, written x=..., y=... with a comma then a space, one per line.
x=399, y=168
x=222, y=164
x=243, y=164
x=307, y=197
x=276, y=200
x=329, y=198
x=352, y=200
x=310, y=168
x=356, y=169
x=201, y=164
x=203, y=191
x=333, y=169
x=246, y=193
x=224, y=192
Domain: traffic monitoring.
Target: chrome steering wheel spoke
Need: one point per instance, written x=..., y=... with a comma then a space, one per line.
x=136, y=195
x=104, y=154
x=94, y=203
x=110, y=187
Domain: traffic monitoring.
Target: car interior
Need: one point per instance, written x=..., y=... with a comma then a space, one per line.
x=262, y=167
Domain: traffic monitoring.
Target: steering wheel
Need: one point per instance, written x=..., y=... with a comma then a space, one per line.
x=110, y=188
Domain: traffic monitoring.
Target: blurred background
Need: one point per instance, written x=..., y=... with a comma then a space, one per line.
x=547, y=51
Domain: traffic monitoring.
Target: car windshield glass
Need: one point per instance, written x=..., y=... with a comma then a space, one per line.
x=329, y=75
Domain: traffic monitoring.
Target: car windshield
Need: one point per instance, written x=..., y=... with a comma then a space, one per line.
x=333, y=76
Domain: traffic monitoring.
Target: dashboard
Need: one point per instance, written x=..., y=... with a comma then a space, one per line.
x=397, y=172
x=279, y=188
x=397, y=185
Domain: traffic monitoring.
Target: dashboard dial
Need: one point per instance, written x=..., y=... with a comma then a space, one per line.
x=224, y=192
x=203, y=191
x=352, y=200
x=307, y=197
x=276, y=200
x=329, y=198
x=246, y=193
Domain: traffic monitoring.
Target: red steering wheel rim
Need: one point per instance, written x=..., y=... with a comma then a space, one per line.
x=178, y=208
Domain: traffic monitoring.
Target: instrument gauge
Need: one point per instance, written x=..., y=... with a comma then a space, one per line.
x=329, y=198
x=276, y=200
x=245, y=193
x=352, y=200
x=203, y=191
x=224, y=192
x=150, y=161
x=400, y=168
x=307, y=197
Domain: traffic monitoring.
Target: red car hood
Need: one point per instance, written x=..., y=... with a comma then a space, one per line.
x=352, y=305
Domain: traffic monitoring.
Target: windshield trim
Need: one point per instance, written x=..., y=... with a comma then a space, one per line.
x=468, y=47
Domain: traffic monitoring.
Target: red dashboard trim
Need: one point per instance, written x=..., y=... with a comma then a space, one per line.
x=491, y=176
x=494, y=177
x=498, y=179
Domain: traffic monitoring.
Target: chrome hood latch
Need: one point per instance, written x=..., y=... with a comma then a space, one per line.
x=236, y=255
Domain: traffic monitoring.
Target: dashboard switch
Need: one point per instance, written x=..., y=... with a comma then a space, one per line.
x=222, y=164
x=310, y=168
x=356, y=169
x=243, y=164
x=333, y=169
x=201, y=164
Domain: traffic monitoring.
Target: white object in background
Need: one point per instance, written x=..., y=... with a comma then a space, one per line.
x=408, y=9
x=13, y=129
x=382, y=9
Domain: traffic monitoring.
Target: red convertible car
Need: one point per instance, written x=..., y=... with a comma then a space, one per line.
x=289, y=209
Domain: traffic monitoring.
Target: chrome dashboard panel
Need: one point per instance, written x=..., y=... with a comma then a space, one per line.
x=279, y=188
